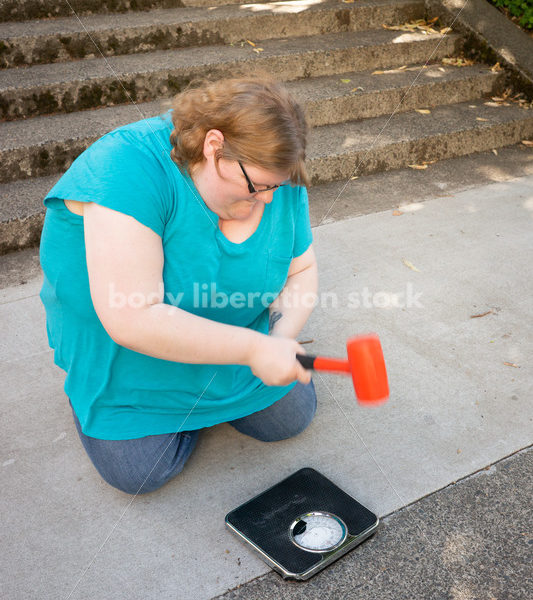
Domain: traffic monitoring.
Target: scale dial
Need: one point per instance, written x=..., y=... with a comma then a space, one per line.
x=318, y=531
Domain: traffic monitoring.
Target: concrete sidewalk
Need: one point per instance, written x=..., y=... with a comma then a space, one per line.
x=461, y=400
x=469, y=541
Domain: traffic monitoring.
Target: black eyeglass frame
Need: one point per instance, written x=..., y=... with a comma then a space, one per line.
x=251, y=187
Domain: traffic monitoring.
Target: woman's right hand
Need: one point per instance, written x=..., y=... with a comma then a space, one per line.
x=273, y=360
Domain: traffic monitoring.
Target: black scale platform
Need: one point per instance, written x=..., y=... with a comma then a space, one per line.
x=275, y=523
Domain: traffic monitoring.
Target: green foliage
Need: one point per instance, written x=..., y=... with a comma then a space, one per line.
x=521, y=9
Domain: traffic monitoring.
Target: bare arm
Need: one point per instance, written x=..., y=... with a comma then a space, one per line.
x=126, y=258
x=291, y=309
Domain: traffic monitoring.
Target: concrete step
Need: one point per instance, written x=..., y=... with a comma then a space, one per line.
x=362, y=95
x=48, y=144
x=91, y=83
x=24, y=10
x=58, y=40
x=362, y=147
x=22, y=212
x=336, y=153
x=405, y=189
x=402, y=189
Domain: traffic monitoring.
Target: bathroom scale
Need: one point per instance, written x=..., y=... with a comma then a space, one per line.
x=302, y=524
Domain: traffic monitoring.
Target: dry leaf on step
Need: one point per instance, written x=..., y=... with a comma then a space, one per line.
x=489, y=312
x=410, y=265
x=457, y=61
x=420, y=24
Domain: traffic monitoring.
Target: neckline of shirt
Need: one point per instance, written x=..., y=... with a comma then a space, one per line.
x=214, y=218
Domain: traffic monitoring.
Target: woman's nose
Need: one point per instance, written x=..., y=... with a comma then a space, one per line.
x=265, y=197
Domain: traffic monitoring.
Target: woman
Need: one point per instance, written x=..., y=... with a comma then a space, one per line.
x=178, y=271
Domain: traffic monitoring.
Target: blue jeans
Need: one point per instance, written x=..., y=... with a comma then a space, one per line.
x=142, y=465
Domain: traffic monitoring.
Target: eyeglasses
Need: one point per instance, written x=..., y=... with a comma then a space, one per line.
x=255, y=190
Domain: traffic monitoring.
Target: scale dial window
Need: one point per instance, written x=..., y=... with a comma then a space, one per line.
x=318, y=532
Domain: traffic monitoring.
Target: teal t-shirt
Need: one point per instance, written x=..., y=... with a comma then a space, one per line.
x=118, y=393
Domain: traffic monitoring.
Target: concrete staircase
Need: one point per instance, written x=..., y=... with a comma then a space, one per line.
x=65, y=81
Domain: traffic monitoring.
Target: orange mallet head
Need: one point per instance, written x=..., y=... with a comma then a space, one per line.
x=365, y=363
x=367, y=366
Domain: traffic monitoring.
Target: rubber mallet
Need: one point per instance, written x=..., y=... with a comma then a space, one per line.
x=365, y=363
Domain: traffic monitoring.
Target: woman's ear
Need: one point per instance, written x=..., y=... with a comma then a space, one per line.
x=213, y=141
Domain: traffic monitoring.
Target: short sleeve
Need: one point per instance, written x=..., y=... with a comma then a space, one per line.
x=303, y=235
x=121, y=172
